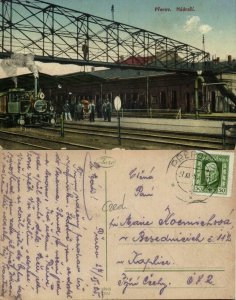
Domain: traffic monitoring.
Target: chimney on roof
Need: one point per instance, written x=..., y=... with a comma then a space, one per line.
x=112, y=11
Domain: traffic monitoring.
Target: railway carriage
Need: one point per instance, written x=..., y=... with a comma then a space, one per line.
x=18, y=106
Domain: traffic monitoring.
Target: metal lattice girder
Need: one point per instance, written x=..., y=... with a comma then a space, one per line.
x=59, y=34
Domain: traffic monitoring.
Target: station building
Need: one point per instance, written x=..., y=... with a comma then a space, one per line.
x=148, y=89
x=138, y=89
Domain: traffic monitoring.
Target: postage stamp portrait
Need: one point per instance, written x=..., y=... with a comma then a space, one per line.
x=213, y=173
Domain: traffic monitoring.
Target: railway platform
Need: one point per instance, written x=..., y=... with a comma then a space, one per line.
x=136, y=134
x=200, y=126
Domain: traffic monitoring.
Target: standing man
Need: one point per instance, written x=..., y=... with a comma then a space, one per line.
x=85, y=50
x=109, y=110
x=91, y=111
x=66, y=109
x=80, y=111
x=76, y=113
x=104, y=110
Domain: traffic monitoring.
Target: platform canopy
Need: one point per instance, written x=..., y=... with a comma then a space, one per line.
x=46, y=81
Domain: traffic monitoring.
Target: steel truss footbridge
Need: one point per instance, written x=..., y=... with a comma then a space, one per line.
x=58, y=34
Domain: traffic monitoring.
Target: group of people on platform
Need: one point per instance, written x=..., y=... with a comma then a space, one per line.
x=80, y=112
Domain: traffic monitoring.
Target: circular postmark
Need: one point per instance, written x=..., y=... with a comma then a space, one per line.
x=194, y=175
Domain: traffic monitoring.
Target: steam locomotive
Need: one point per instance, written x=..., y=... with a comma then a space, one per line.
x=21, y=107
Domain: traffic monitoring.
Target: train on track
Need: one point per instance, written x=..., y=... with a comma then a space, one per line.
x=21, y=107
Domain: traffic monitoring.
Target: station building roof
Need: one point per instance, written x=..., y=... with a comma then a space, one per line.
x=74, y=79
x=116, y=73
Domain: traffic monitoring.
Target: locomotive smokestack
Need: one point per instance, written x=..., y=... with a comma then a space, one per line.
x=14, y=78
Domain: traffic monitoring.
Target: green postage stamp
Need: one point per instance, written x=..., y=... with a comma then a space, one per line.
x=213, y=173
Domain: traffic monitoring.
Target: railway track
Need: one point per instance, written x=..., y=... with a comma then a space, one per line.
x=13, y=140
x=144, y=136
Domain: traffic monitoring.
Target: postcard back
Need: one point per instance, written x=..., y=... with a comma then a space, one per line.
x=117, y=225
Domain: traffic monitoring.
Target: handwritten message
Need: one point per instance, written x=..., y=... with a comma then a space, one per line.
x=88, y=225
x=46, y=205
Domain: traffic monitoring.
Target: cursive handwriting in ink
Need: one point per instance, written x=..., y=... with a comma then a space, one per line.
x=128, y=282
x=149, y=280
x=87, y=162
x=59, y=218
x=180, y=237
x=37, y=157
x=141, y=175
x=38, y=265
x=46, y=182
x=58, y=172
x=69, y=292
x=139, y=191
x=78, y=251
x=68, y=177
x=43, y=243
x=171, y=220
x=138, y=259
x=111, y=206
x=130, y=221
x=88, y=180
x=92, y=178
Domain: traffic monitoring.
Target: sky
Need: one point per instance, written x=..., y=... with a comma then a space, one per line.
x=216, y=19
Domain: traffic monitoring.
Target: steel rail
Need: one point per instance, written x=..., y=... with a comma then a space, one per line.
x=147, y=136
x=40, y=139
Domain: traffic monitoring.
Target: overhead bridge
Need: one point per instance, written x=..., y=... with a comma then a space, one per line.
x=58, y=34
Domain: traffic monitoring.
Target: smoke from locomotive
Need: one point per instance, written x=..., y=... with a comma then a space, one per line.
x=18, y=60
